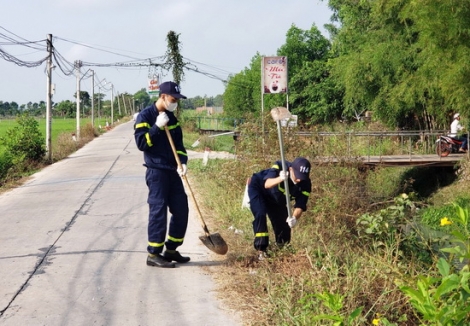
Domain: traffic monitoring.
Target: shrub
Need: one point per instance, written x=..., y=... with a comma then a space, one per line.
x=442, y=299
x=6, y=162
x=25, y=141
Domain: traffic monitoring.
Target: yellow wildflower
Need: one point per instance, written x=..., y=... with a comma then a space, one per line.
x=445, y=221
x=404, y=196
x=376, y=321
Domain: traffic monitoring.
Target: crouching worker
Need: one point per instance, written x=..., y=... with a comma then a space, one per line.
x=267, y=197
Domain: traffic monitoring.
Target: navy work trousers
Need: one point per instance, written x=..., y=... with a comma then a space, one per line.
x=260, y=206
x=166, y=191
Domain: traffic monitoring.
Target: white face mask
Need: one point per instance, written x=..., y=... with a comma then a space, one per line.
x=171, y=106
x=292, y=176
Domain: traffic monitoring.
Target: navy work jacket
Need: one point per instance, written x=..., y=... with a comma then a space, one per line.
x=299, y=192
x=154, y=142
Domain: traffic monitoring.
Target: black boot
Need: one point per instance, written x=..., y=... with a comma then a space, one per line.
x=176, y=256
x=159, y=261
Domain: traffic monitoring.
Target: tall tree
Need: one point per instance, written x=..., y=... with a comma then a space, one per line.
x=303, y=46
x=314, y=95
x=403, y=59
x=65, y=109
x=142, y=99
x=443, y=51
x=243, y=92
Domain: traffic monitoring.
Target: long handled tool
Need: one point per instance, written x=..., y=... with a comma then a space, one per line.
x=214, y=241
x=278, y=114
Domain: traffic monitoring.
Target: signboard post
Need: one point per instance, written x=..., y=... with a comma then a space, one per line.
x=153, y=88
x=273, y=79
x=274, y=75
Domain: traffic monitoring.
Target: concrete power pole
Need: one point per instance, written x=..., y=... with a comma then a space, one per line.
x=130, y=105
x=124, y=104
x=112, y=104
x=49, y=98
x=92, y=98
x=119, y=103
x=78, y=64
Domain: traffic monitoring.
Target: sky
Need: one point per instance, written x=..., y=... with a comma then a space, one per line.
x=219, y=37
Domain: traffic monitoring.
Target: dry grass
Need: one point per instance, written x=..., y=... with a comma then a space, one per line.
x=66, y=144
x=325, y=254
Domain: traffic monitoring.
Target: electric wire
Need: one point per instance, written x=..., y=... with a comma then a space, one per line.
x=98, y=48
x=12, y=41
x=11, y=58
x=68, y=68
x=24, y=42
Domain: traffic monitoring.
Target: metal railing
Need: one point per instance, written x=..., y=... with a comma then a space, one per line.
x=216, y=124
x=376, y=143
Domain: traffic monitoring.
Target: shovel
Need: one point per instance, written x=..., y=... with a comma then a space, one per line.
x=214, y=241
x=278, y=114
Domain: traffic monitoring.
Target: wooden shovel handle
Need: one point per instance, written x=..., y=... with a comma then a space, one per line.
x=180, y=166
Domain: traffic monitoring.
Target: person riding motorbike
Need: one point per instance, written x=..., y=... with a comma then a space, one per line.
x=455, y=129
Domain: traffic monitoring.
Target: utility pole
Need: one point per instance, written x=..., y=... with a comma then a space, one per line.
x=119, y=103
x=92, y=98
x=49, y=98
x=124, y=104
x=112, y=104
x=78, y=64
x=130, y=104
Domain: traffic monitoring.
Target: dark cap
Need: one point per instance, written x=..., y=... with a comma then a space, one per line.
x=172, y=89
x=301, y=168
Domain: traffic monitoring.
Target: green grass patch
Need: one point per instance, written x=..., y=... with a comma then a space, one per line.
x=58, y=126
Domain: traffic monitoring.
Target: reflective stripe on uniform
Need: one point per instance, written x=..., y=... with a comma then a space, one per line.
x=262, y=234
x=171, y=127
x=175, y=239
x=275, y=166
x=149, y=141
x=147, y=135
x=156, y=244
x=182, y=153
x=142, y=125
x=279, y=187
x=284, y=191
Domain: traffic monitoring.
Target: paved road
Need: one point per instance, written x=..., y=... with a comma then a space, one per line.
x=73, y=248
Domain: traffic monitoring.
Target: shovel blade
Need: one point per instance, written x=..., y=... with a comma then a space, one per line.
x=215, y=243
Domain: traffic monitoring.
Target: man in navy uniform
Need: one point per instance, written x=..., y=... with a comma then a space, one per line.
x=163, y=178
x=267, y=197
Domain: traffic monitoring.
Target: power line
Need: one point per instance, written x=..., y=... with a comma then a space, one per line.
x=94, y=48
x=68, y=68
x=11, y=58
x=12, y=41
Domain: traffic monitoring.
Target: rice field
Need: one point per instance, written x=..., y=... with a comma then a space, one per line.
x=58, y=125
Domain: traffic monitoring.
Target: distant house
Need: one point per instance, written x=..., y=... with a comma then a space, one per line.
x=210, y=109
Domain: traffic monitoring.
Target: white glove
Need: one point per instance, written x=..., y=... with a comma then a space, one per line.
x=283, y=175
x=292, y=221
x=182, y=171
x=162, y=120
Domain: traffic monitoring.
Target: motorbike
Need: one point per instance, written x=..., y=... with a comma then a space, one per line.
x=446, y=145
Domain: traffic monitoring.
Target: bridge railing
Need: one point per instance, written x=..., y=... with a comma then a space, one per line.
x=346, y=143
x=216, y=124
x=374, y=143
